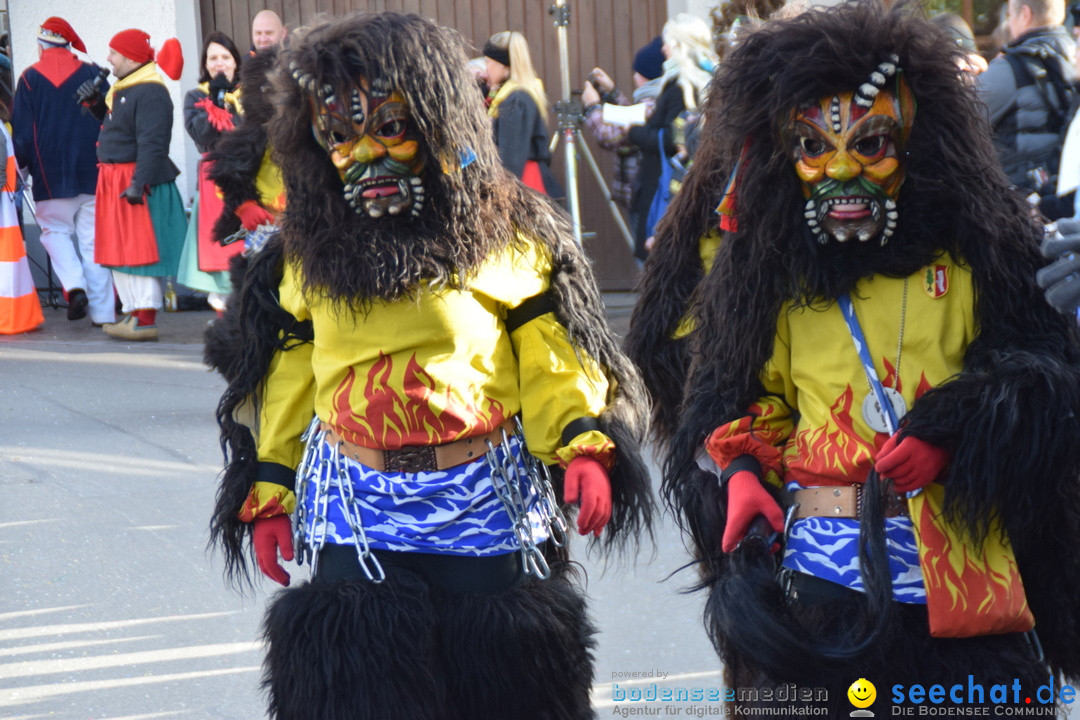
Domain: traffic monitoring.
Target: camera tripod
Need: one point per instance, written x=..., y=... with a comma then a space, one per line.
x=569, y=116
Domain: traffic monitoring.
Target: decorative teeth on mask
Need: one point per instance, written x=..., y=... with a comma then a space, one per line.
x=875, y=210
x=356, y=107
x=877, y=78
x=892, y=216
x=890, y=204
x=327, y=89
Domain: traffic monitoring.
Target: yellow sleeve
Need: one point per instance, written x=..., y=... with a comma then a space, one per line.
x=769, y=421
x=708, y=245
x=558, y=384
x=288, y=395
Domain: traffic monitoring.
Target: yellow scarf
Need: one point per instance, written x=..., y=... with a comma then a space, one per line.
x=146, y=73
x=501, y=94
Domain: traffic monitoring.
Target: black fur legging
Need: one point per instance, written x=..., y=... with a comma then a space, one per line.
x=442, y=638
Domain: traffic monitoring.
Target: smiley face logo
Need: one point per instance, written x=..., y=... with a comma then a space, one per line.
x=862, y=693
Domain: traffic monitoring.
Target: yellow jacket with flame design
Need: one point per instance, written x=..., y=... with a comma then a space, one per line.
x=809, y=427
x=431, y=370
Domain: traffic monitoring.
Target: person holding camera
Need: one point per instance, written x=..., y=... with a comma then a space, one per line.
x=600, y=89
x=210, y=110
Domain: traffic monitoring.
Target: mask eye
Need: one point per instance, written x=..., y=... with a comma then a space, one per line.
x=870, y=146
x=811, y=147
x=391, y=129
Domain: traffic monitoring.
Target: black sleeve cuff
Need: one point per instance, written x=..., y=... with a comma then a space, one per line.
x=743, y=462
x=278, y=474
x=576, y=427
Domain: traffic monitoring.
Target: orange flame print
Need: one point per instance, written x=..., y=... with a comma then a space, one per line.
x=409, y=409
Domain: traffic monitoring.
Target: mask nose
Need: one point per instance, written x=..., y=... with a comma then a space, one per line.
x=843, y=167
x=368, y=150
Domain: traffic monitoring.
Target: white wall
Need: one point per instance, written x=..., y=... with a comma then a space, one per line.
x=96, y=21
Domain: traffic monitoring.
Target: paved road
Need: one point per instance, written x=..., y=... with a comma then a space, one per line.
x=110, y=606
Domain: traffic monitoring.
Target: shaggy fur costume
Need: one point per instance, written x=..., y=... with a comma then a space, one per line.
x=406, y=648
x=239, y=153
x=354, y=259
x=402, y=650
x=1011, y=419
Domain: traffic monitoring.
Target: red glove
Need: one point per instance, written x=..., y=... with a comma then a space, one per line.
x=910, y=462
x=587, y=480
x=252, y=215
x=746, y=500
x=269, y=536
x=219, y=118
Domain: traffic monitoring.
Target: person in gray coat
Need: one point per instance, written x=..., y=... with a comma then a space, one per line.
x=1027, y=91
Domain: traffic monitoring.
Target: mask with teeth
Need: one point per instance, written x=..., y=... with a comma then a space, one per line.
x=373, y=143
x=848, y=150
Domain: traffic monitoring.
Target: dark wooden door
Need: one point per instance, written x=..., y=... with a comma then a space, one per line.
x=604, y=33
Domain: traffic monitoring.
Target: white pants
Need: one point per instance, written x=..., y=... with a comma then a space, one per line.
x=65, y=222
x=138, y=292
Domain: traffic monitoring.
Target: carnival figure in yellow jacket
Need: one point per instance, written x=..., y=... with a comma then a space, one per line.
x=421, y=383
x=885, y=408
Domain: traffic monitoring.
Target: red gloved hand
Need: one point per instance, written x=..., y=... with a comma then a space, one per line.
x=219, y=118
x=252, y=215
x=587, y=480
x=746, y=500
x=910, y=462
x=268, y=537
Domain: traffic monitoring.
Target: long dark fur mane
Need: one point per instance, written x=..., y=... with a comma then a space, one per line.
x=470, y=212
x=354, y=260
x=239, y=153
x=1008, y=453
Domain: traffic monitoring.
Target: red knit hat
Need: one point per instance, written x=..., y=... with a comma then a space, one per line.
x=57, y=31
x=135, y=45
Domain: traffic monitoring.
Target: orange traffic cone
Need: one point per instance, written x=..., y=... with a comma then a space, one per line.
x=20, y=309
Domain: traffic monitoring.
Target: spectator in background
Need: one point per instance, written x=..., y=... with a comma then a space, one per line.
x=691, y=59
x=1026, y=92
x=210, y=110
x=519, y=111
x=648, y=69
x=6, y=79
x=54, y=139
x=140, y=218
x=954, y=26
x=267, y=30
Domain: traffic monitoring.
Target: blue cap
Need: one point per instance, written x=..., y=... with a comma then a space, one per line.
x=649, y=60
